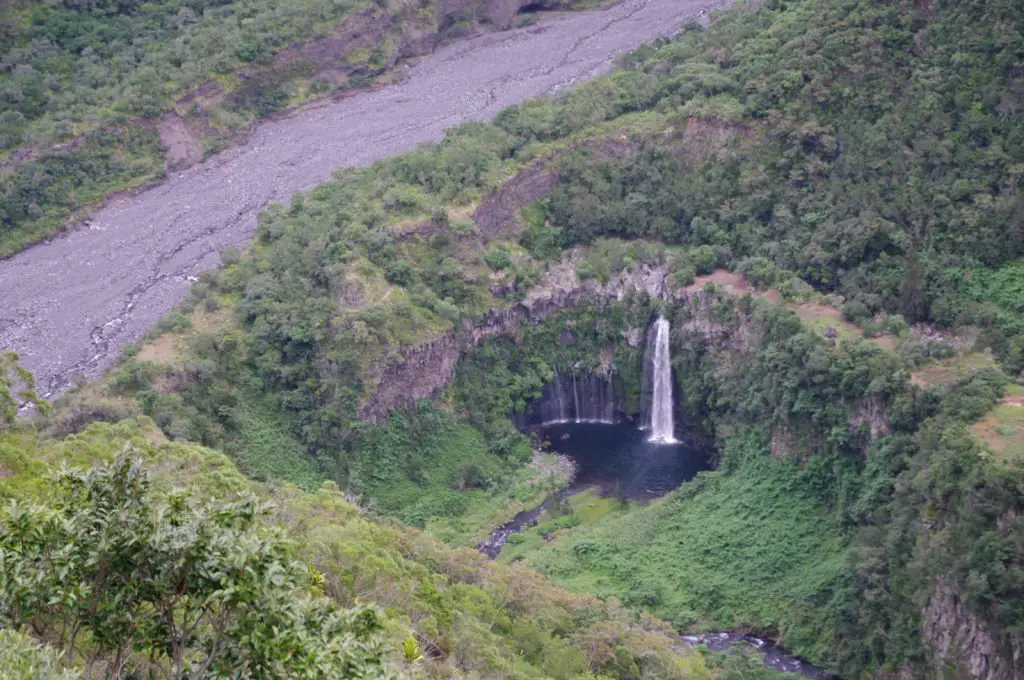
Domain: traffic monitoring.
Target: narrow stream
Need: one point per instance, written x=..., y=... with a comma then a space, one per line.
x=618, y=459
x=775, y=657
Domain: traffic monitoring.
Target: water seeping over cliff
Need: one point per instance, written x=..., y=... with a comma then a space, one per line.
x=578, y=397
x=656, y=411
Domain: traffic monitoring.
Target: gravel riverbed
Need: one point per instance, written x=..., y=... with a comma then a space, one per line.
x=69, y=305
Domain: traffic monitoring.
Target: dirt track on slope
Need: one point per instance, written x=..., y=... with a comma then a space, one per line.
x=70, y=305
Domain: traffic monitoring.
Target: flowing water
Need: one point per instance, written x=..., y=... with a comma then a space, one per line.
x=774, y=656
x=617, y=459
x=70, y=305
x=579, y=418
x=576, y=397
x=658, y=379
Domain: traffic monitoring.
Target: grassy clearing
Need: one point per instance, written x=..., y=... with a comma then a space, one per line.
x=575, y=514
x=266, y=450
x=1002, y=430
x=528, y=488
x=820, y=317
x=168, y=343
x=816, y=314
x=948, y=371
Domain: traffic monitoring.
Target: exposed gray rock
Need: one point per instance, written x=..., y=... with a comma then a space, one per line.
x=873, y=413
x=955, y=639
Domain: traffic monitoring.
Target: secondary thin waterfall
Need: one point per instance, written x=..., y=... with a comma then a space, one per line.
x=658, y=366
x=577, y=396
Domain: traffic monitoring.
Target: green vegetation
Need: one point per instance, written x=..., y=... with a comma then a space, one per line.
x=752, y=547
x=856, y=160
x=143, y=536
x=858, y=153
x=37, y=197
x=71, y=67
x=423, y=464
x=22, y=657
x=114, y=578
x=528, y=488
x=579, y=510
x=82, y=83
x=338, y=282
x=87, y=88
x=17, y=385
x=1002, y=430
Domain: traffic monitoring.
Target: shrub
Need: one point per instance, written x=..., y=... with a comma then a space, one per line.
x=856, y=311
x=759, y=271
x=497, y=259
x=704, y=259
x=109, y=571
x=585, y=270
x=22, y=658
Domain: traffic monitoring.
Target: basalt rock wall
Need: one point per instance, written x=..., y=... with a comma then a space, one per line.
x=405, y=377
x=959, y=644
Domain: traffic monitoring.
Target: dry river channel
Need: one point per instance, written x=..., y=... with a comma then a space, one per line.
x=69, y=305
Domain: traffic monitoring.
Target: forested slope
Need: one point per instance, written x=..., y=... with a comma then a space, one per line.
x=698, y=143
x=856, y=165
x=128, y=554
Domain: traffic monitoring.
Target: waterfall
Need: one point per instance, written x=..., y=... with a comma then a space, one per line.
x=657, y=386
x=577, y=396
x=560, y=398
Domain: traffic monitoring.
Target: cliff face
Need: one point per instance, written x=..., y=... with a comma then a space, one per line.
x=416, y=373
x=956, y=640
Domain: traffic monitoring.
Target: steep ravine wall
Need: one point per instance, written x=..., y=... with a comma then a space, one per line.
x=957, y=643
x=415, y=373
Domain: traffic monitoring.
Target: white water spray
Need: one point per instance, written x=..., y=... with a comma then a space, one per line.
x=660, y=420
x=576, y=397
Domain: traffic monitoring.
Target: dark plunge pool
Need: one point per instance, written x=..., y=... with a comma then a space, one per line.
x=615, y=458
x=619, y=459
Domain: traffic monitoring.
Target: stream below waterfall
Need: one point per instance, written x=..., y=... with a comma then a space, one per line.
x=619, y=459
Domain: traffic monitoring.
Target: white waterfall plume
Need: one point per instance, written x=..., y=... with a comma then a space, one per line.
x=657, y=413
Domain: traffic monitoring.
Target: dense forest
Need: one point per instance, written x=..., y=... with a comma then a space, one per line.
x=851, y=166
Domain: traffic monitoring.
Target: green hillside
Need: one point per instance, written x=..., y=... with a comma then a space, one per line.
x=830, y=192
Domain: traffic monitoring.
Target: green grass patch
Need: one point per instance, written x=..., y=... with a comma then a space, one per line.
x=425, y=464
x=575, y=514
x=1002, y=430
x=266, y=451
x=528, y=488
x=949, y=371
